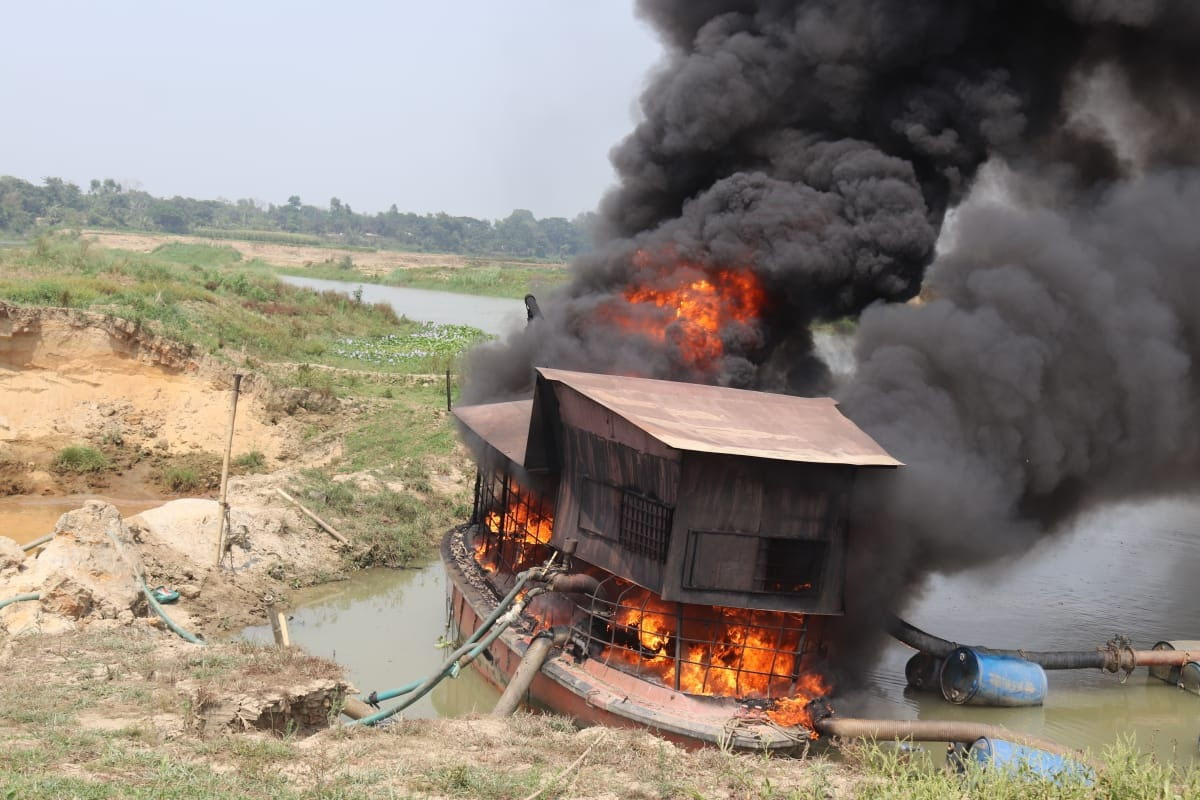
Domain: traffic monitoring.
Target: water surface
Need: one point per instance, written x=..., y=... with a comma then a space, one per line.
x=384, y=626
x=494, y=315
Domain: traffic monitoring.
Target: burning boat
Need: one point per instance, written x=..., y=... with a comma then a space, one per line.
x=697, y=536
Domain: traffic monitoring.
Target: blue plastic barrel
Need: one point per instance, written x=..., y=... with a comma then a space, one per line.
x=972, y=677
x=1021, y=759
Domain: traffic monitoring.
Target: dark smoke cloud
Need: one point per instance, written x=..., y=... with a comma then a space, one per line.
x=1054, y=369
x=820, y=145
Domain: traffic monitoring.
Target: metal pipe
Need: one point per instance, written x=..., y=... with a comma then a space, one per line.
x=923, y=730
x=38, y=542
x=224, y=515
x=20, y=598
x=538, y=653
x=578, y=583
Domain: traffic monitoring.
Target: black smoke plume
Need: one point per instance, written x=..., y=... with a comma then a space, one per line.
x=819, y=146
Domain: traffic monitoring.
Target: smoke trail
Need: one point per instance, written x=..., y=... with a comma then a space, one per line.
x=817, y=146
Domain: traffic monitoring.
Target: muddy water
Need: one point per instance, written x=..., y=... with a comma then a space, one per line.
x=1131, y=569
x=25, y=518
x=493, y=315
x=384, y=627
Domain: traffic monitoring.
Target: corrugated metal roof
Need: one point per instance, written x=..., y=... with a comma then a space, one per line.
x=714, y=419
x=505, y=426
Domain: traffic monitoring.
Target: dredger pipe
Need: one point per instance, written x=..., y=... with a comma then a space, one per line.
x=927, y=730
x=38, y=542
x=1109, y=659
x=536, y=655
x=20, y=598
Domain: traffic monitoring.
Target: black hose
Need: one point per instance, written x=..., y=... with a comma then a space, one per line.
x=918, y=639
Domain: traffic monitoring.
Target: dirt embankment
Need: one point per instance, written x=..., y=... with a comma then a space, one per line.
x=146, y=403
x=156, y=412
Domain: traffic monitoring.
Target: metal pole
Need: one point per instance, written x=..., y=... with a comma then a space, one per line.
x=224, y=515
x=447, y=388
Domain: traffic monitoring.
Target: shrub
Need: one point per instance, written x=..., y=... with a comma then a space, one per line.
x=79, y=459
x=254, y=461
x=181, y=479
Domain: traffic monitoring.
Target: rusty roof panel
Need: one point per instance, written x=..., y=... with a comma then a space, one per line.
x=505, y=426
x=714, y=419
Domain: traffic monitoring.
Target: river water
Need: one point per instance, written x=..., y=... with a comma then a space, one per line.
x=494, y=315
x=1128, y=569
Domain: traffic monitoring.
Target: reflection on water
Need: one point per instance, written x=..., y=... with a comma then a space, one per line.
x=494, y=315
x=384, y=626
x=1130, y=569
x=25, y=518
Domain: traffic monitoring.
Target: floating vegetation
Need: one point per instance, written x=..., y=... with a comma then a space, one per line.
x=429, y=341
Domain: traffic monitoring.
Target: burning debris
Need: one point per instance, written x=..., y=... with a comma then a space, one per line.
x=795, y=163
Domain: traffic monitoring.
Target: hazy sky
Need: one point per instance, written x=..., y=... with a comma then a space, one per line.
x=469, y=106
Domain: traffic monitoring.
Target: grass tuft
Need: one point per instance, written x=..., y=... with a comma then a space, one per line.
x=79, y=459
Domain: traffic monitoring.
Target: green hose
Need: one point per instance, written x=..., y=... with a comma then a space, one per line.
x=183, y=634
x=469, y=651
x=19, y=598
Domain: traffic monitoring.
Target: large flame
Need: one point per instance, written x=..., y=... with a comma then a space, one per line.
x=519, y=529
x=722, y=651
x=696, y=306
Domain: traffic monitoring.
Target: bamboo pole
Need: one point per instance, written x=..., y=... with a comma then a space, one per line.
x=224, y=516
x=324, y=525
x=279, y=628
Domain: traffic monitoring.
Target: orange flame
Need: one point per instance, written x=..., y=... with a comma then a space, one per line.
x=520, y=529
x=696, y=305
x=723, y=651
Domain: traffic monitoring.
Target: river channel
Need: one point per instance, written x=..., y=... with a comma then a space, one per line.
x=1128, y=569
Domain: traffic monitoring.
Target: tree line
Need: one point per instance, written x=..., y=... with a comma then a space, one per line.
x=26, y=208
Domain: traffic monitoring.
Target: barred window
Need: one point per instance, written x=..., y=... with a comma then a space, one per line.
x=645, y=526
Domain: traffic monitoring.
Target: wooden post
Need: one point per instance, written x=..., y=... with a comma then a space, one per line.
x=279, y=626
x=447, y=388
x=224, y=515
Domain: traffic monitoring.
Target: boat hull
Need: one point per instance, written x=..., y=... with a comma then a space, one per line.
x=594, y=693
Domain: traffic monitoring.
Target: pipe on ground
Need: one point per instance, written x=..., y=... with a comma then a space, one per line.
x=20, y=598
x=38, y=542
x=924, y=730
x=536, y=655
x=186, y=635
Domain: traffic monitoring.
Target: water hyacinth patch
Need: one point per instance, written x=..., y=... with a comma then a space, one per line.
x=427, y=342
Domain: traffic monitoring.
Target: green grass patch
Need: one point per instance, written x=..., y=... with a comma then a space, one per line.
x=194, y=472
x=181, y=479
x=493, y=281
x=251, y=462
x=204, y=255
x=79, y=459
x=386, y=527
